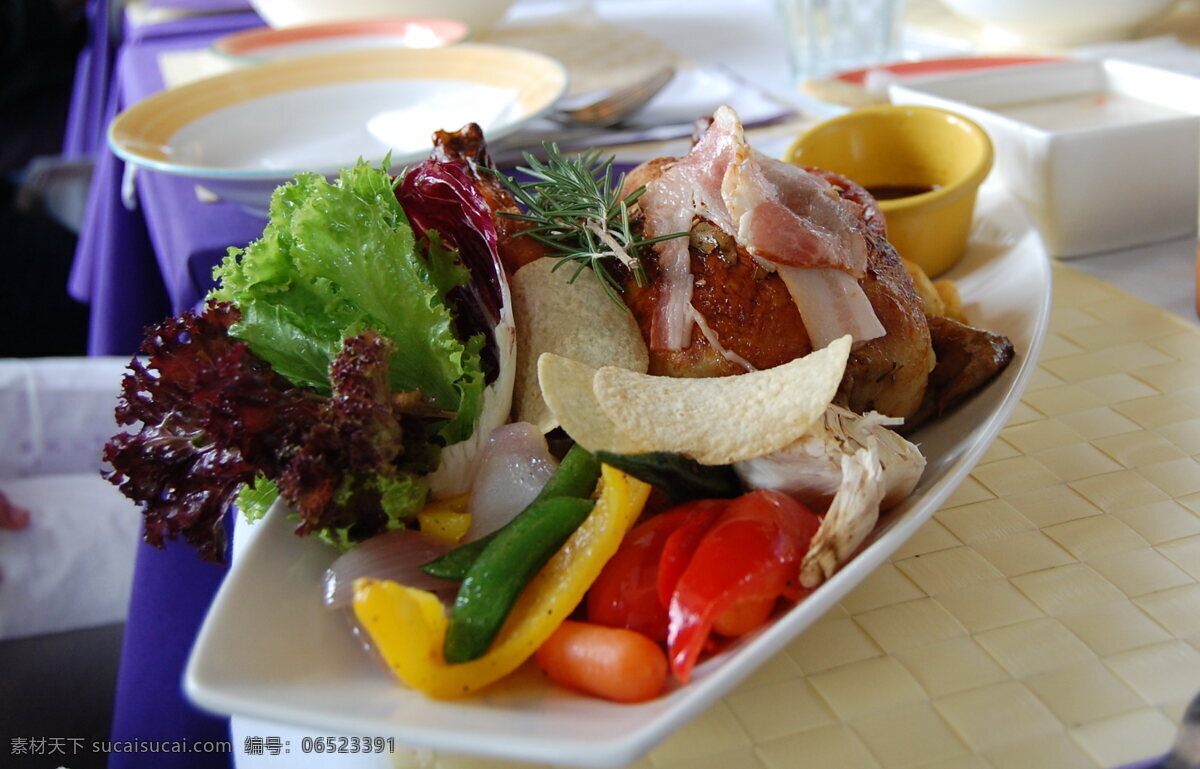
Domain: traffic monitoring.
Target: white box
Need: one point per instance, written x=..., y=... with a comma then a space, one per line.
x=1105, y=154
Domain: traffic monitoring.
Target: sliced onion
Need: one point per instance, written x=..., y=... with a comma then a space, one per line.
x=831, y=304
x=515, y=465
x=397, y=556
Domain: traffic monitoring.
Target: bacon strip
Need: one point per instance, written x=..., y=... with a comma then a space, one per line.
x=778, y=212
x=798, y=218
x=691, y=187
x=668, y=207
x=831, y=304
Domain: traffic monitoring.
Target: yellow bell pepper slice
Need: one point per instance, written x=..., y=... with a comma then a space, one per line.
x=408, y=626
x=446, y=519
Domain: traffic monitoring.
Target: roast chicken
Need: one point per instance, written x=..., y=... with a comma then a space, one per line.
x=752, y=315
x=777, y=260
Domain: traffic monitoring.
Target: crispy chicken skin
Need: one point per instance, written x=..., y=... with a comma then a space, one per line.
x=889, y=374
x=967, y=358
x=469, y=144
x=748, y=309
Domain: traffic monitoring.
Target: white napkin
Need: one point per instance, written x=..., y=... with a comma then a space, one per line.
x=71, y=567
x=697, y=92
x=56, y=413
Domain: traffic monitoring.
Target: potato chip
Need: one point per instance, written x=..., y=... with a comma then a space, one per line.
x=948, y=291
x=567, y=386
x=576, y=320
x=722, y=419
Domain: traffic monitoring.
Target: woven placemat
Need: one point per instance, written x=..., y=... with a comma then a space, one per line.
x=1048, y=616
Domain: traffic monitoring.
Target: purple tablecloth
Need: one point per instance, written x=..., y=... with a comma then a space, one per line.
x=172, y=590
x=84, y=132
x=134, y=267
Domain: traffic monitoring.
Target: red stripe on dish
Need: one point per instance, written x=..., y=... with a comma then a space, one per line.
x=252, y=40
x=943, y=66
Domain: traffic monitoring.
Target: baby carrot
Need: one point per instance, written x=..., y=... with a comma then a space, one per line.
x=609, y=662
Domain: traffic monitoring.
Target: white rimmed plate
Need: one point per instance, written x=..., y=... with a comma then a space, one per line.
x=263, y=44
x=269, y=651
x=243, y=133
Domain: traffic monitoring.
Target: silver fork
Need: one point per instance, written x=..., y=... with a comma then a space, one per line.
x=609, y=107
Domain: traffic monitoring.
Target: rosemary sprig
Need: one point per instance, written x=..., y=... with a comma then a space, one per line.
x=577, y=211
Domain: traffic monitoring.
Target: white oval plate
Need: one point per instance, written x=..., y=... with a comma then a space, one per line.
x=263, y=44
x=268, y=649
x=243, y=133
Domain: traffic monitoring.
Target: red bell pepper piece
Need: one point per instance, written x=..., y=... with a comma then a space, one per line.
x=743, y=564
x=681, y=545
x=626, y=594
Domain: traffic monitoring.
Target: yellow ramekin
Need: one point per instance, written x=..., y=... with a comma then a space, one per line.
x=908, y=146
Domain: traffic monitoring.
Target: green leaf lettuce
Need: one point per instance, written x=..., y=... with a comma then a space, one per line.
x=338, y=258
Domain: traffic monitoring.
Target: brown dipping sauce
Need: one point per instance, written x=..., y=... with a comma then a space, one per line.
x=897, y=191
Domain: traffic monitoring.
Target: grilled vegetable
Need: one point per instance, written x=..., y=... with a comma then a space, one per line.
x=747, y=560
x=575, y=477
x=407, y=626
x=679, y=477
x=608, y=662
x=505, y=566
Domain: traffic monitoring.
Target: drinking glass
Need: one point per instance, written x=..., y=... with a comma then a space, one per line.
x=829, y=36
